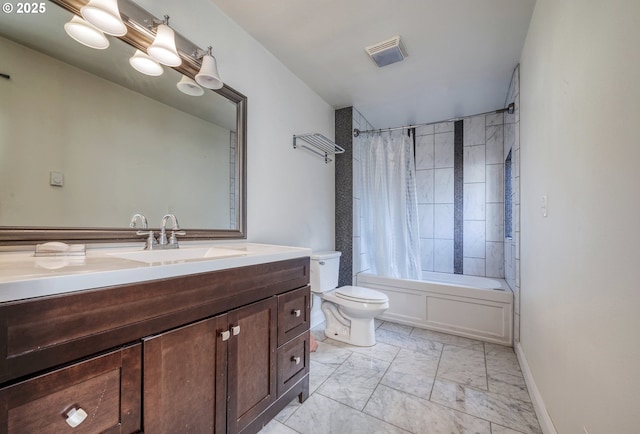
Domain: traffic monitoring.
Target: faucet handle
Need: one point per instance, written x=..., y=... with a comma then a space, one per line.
x=151, y=239
x=173, y=239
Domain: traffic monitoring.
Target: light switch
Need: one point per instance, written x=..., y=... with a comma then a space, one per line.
x=56, y=179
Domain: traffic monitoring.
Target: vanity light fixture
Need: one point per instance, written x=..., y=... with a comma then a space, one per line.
x=145, y=64
x=86, y=33
x=105, y=15
x=163, y=48
x=188, y=86
x=208, y=76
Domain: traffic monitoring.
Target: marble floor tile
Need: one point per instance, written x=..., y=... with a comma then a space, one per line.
x=330, y=355
x=463, y=366
x=398, y=328
x=354, y=381
x=418, y=415
x=318, y=374
x=380, y=350
x=275, y=427
x=412, y=372
x=409, y=342
x=497, y=429
x=444, y=338
x=507, y=384
x=322, y=415
x=286, y=412
x=377, y=322
x=318, y=332
x=502, y=359
x=494, y=407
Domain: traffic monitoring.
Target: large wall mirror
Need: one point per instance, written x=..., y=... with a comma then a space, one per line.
x=86, y=141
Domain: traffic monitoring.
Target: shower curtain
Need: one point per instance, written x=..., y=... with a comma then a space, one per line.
x=389, y=204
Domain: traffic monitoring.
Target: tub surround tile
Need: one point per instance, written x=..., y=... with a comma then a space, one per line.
x=443, y=127
x=426, y=220
x=474, y=163
x=443, y=256
x=494, y=119
x=495, y=145
x=321, y=415
x=464, y=366
x=415, y=414
x=412, y=373
x=427, y=252
x=444, y=153
x=409, y=342
x=458, y=189
x=495, y=222
x=506, y=384
x=424, y=130
x=495, y=260
x=474, y=131
x=474, y=266
x=354, y=381
x=444, y=338
x=424, y=152
x=443, y=185
x=425, y=186
x=474, y=239
x=473, y=200
x=443, y=217
x=494, y=407
x=495, y=183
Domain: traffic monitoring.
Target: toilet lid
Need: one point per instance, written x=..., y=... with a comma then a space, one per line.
x=360, y=294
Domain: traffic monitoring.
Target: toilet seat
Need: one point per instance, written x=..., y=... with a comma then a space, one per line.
x=359, y=294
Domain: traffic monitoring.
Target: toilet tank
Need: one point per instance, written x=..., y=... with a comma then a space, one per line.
x=325, y=267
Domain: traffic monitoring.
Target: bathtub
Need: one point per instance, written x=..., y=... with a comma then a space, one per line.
x=474, y=307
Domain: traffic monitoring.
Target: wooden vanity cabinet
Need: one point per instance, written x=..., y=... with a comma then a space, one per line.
x=197, y=353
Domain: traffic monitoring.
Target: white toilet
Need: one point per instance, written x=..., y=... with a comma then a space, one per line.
x=349, y=310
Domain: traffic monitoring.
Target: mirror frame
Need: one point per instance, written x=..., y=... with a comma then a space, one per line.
x=16, y=235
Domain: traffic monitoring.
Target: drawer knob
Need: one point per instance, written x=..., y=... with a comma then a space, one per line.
x=296, y=312
x=75, y=417
x=225, y=335
x=296, y=359
x=236, y=330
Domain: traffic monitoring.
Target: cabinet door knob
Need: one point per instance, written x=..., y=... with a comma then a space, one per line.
x=225, y=335
x=236, y=330
x=75, y=417
x=296, y=359
x=296, y=312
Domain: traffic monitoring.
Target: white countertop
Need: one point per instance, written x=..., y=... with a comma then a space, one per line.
x=24, y=276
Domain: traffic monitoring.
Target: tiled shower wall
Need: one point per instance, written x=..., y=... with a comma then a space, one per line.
x=512, y=245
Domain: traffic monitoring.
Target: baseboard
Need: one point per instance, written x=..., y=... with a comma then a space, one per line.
x=538, y=404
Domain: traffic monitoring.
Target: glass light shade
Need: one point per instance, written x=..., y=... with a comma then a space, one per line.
x=208, y=76
x=189, y=86
x=163, y=48
x=144, y=63
x=85, y=33
x=105, y=15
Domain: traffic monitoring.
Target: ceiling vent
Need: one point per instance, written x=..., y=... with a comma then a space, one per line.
x=387, y=52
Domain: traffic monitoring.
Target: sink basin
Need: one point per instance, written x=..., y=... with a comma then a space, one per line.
x=178, y=255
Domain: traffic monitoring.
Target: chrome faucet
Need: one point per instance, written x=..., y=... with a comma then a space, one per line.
x=150, y=242
x=135, y=218
x=172, y=242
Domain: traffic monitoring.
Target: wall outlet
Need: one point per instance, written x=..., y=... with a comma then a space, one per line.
x=56, y=179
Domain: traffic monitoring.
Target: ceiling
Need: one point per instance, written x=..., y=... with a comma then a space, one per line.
x=461, y=53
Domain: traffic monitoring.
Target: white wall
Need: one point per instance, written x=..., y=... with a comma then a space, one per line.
x=290, y=192
x=580, y=313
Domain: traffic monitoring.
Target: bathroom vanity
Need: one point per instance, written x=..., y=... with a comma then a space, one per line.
x=200, y=345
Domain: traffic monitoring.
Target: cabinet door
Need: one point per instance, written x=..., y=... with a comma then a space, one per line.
x=252, y=362
x=104, y=393
x=184, y=379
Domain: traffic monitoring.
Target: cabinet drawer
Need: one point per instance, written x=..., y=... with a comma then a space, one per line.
x=105, y=388
x=293, y=362
x=293, y=314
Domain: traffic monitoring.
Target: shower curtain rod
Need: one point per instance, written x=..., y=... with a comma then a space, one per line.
x=510, y=108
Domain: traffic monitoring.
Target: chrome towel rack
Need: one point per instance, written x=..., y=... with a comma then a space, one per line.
x=318, y=144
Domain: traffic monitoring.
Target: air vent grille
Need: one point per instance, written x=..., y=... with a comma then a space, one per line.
x=387, y=52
